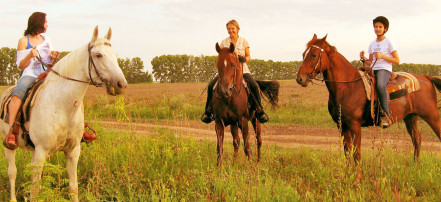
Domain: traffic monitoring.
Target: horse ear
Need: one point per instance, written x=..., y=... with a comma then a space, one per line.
x=324, y=38
x=231, y=47
x=109, y=34
x=95, y=33
x=217, y=47
x=314, y=37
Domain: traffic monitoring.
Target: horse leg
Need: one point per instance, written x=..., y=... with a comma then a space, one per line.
x=257, y=130
x=355, y=129
x=245, y=134
x=347, y=140
x=434, y=122
x=12, y=171
x=71, y=165
x=38, y=158
x=412, y=128
x=236, y=139
x=220, y=140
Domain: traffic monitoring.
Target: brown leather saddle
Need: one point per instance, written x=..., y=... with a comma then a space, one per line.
x=24, y=111
x=400, y=84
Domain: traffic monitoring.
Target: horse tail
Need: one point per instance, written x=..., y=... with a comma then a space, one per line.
x=435, y=81
x=270, y=89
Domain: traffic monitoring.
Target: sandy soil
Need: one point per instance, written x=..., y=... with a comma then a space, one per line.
x=293, y=136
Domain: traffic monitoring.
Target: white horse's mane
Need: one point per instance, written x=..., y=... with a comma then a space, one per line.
x=77, y=59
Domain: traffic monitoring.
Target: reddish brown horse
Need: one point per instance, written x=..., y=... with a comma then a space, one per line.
x=230, y=102
x=348, y=100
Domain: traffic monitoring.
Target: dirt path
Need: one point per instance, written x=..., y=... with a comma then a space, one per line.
x=293, y=136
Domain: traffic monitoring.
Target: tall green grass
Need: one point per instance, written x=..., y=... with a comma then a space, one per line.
x=124, y=166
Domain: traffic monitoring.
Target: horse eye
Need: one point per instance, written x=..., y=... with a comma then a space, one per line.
x=313, y=55
x=99, y=55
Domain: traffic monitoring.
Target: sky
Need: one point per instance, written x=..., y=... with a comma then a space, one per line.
x=277, y=30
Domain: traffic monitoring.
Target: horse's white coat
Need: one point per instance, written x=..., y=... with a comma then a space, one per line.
x=57, y=123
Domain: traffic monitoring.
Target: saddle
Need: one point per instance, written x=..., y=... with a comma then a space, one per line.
x=400, y=84
x=23, y=114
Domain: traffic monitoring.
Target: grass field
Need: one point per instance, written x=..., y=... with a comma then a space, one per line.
x=122, y=166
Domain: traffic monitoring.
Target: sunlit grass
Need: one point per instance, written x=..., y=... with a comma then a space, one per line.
x=124, y=166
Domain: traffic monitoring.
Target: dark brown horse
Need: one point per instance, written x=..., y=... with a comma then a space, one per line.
x=230, y=102
x=348, y=100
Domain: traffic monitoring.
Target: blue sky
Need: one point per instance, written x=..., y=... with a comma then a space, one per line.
x=276, y=29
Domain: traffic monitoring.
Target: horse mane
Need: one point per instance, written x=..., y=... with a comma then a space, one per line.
x=72, y=62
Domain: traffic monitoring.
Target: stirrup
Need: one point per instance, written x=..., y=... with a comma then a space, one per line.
x=10, y=141
x=385, y=122
x=88, y=137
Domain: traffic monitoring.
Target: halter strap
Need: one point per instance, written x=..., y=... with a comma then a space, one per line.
x=91, y=63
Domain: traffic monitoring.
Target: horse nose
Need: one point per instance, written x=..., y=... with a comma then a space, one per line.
x=121, y=86
x=299, y=80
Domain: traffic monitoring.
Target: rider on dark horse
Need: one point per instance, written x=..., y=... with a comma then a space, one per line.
x=382, y=54
x=243, y=52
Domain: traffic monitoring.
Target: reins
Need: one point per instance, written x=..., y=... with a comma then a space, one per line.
x=91, y=64
x=366, y=73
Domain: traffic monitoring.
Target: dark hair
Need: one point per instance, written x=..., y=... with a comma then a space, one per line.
x=383, y=20
x=35, y=23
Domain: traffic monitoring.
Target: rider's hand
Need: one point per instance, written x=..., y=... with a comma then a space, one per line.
x=362, y=54
x=378, y=55
x=55, y=54
x=242, y=59
x=33, y=53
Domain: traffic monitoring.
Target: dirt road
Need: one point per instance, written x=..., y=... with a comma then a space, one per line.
x=293, y=136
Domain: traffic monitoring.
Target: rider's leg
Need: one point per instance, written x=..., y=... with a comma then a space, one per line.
x=260, y=114
x=14, y=105
x=207, y=117
x=382, y=77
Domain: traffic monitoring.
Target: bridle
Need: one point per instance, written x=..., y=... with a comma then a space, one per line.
x=91, y=64
x=321, y=70
x=318, y=61
x=235, y=76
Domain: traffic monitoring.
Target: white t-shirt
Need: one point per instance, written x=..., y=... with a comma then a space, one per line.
x=385, y=47
x=240, y=47
x=35, y=68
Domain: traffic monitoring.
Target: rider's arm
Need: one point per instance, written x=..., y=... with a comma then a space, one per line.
x=394, y=59
x=22, y=43
x=247, y=54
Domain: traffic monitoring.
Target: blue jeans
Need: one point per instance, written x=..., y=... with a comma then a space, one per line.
x=23, y=85
x=382, y=76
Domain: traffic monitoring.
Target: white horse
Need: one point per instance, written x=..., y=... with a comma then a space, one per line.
x=56, y=120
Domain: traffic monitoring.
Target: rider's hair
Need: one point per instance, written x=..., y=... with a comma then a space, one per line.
x=233, y=22
x=35, y=23
x=383, y=21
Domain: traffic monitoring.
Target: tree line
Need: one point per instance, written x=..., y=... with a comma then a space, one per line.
x=188, y=68
x=133, y=68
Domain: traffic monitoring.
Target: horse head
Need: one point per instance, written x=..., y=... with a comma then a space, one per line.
x=228, y=68
x=315, y=60
x=104, y=64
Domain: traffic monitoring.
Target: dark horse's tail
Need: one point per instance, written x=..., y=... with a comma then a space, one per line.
x=436, y=82
x=270, y=89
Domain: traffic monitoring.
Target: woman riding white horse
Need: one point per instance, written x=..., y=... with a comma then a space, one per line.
x=56, y=120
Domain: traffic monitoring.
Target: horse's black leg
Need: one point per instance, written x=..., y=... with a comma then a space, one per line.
x=355, y=128
x=257, y=130
x=347, y=140
x=220, y=140
x=411, y=121
x=236, y=139
x=245, y=134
